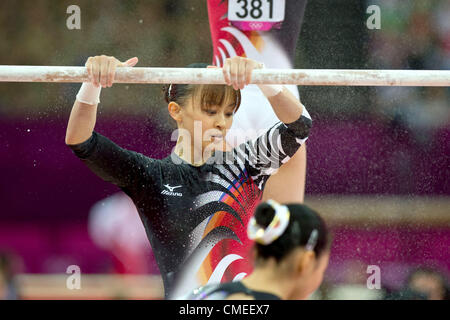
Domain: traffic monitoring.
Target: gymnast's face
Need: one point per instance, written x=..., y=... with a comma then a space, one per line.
x=207, y=116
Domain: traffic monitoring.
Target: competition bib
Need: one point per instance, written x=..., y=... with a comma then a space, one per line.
x=261, y=15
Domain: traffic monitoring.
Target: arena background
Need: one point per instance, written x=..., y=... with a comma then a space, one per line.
x=378, y=158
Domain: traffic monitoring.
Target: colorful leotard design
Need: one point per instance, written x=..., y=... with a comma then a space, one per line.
x=196, y=217
x=274, y=47
x=223, y=291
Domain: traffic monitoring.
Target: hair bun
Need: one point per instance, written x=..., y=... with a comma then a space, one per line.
x=264, y=214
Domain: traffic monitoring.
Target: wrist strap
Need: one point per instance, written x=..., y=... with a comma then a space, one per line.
x=269, y=90
x=89, y=94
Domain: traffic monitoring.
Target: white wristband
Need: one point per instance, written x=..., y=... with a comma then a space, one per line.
x=269, y=90
x=89, y=94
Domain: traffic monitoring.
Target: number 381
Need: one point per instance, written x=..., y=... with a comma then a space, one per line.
x=255, y=9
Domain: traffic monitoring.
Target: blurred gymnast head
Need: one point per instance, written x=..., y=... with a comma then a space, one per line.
x=292, y=249
x=291, y=252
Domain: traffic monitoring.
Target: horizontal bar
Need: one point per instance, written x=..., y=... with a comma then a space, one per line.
x=304, y=77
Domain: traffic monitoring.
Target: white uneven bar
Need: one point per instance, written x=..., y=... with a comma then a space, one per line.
x=305, y=77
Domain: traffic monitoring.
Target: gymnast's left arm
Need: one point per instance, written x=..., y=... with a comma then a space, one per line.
x=285, y=105
x=238, y=71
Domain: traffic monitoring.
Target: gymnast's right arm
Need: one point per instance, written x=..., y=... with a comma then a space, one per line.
x=106, y=159
x=101, y=71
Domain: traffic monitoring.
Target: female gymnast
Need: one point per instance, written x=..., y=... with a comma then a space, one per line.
x=265, y=31
x=292, y=252
x=195, y=204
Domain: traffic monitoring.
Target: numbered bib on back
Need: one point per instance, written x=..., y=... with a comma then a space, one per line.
x=261, y=15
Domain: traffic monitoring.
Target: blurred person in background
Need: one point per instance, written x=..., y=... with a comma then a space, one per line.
x=415, y=35
x=8, y=286
x=114, y=225
x=423, y=283
x=352, y=284
x=428, y=282
x=292, y=251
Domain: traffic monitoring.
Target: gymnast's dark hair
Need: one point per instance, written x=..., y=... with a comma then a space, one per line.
x=303, y=220
x=211, y=94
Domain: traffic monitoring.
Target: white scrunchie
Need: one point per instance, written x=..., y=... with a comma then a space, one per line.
x=274, y=230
